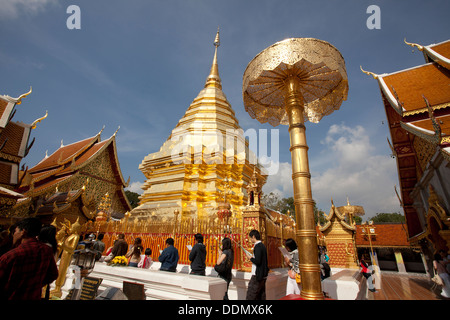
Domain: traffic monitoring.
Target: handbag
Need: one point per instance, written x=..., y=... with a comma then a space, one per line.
x=294, y=275
x=437, y=279
x=223, y=267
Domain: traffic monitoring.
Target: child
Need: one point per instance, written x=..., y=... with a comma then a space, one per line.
x=146, y=260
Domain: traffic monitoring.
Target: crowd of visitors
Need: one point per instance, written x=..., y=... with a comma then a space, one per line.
x=29, y=252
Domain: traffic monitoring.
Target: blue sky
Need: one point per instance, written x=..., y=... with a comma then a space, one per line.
x=138, y=64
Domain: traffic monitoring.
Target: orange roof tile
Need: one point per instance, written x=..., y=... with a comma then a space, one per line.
x=16, y=136
x=387, y=235
x=430, y=80
x=63, y=154
x=442, y=48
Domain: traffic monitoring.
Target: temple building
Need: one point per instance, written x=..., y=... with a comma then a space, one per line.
x=205, y=159
x=14, y=146
x=417, y=104
x=72, y=182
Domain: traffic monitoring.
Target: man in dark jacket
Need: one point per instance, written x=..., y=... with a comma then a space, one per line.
x=169, y=257
x=197, y=256
x=257, y=285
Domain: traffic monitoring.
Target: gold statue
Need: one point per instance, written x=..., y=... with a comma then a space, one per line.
x=61, y=235
x=68, y=247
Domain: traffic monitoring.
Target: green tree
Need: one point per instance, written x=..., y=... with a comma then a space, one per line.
x=388, y=217
x=133, y=198
x=274, y=202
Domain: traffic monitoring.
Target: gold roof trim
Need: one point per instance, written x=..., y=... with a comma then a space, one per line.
x=17, y=100
x=425, y=109
x=35, y=122
x=428, y=50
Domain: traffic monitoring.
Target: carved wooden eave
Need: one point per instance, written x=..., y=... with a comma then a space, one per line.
x=60, y=202
x=336, y=214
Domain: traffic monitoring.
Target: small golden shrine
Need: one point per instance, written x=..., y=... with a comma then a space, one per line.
x=340, y=235
x=197, y=163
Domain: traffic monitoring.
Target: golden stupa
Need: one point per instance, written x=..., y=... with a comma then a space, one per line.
x=205, y=159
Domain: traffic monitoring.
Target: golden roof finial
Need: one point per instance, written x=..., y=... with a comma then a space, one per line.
x=116, y=131
x=217, y=39
x=418, y=46
x=348, y=202
x=19, y=99
x=213, y=79
x=33, y=125
x=374, y=75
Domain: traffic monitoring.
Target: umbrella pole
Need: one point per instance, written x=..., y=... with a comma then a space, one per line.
x=304, y=204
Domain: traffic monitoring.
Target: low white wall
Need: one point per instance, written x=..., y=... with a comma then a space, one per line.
x=345, y=284
x=180, y=285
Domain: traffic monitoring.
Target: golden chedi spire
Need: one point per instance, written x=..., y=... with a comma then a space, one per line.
x=213, y=79
x=187, y=174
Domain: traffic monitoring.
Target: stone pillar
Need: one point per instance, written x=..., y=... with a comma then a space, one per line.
x=400, y=263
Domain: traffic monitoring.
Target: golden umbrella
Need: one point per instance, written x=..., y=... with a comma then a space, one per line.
x=290, y=82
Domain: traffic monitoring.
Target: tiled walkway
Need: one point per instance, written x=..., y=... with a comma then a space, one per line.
x=395, y=286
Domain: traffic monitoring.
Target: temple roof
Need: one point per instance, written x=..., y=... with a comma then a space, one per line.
x=417, y=104
x=421, y=94
x=7, y=105
x=386, y=235
x=336, y=214
x=67, y=162
x=64, y=154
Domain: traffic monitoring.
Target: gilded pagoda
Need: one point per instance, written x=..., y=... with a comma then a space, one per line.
x=417, y=105
x=205, y=159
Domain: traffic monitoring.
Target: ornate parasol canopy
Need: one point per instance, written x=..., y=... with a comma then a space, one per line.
x=354, y=210
x=318, y=65
x=351, y=209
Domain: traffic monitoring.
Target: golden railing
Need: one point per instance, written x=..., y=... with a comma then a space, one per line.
x=154, y=233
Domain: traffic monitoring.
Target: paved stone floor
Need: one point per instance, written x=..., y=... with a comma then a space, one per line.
x=395, y=286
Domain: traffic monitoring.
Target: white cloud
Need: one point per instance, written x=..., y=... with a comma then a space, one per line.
x=349, y=167
x=135, y=187
x=12, y=9
x=281, y=182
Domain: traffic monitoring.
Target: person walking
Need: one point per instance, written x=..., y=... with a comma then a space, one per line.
x=224, y=264
x=292, y=287
x=367, y=273
x=440, y=268
x=257, y=285
x=26, y=269
x=197, y=256
x=169, y=257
